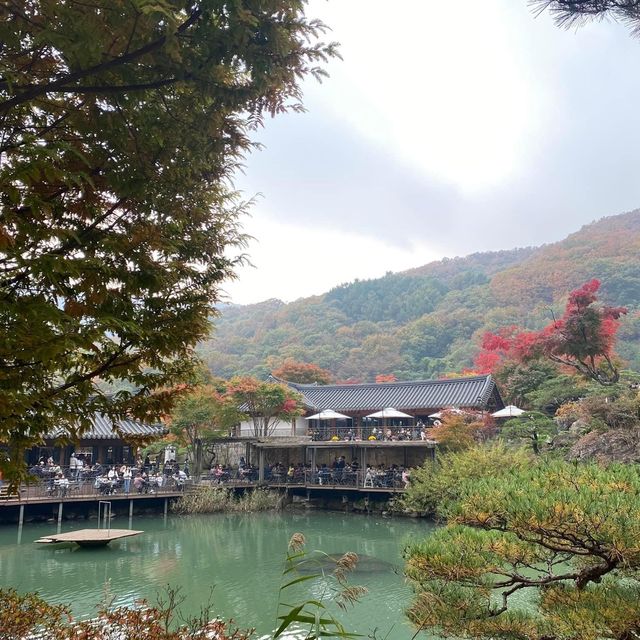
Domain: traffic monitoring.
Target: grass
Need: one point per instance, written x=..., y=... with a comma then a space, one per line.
x=220, y=500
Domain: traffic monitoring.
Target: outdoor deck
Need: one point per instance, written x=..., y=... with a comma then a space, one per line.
x=89, y=537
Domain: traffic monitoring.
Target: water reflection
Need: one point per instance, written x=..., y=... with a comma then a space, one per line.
x=240, y=556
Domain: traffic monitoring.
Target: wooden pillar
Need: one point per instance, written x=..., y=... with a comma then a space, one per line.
x=59, y=516
x=20, y=523
x=261, y=465
x=247, y=453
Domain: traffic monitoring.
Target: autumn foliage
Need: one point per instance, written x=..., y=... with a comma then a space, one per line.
x=263, y=403
x=24, y=616
x=582, y=339
x=302, y=372
x=459, y=431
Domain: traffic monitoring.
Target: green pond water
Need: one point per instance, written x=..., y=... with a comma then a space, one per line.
x=240, y=556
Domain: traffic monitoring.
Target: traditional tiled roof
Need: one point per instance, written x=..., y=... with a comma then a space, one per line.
x=103, y=428
x=471, y=392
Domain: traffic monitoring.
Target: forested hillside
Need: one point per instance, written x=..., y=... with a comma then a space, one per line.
x=427, y=321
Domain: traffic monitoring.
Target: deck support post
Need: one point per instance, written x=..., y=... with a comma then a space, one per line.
x=20, y=523
x=166, y=507
x=261, y=466
x=59, y=516
x=130, y=512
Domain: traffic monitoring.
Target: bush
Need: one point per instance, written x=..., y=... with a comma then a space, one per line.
x=29, y=616
x=220, y=500
x=438, y=482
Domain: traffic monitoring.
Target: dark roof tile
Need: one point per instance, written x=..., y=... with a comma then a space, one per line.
x=470, y=392
x=102, y=428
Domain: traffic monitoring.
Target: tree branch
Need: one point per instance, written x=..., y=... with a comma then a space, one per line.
x=61, y=84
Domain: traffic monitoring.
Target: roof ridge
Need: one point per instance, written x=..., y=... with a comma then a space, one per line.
x=378, y=385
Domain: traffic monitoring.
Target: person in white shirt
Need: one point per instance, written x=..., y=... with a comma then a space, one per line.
x=73, y=466
x=126, y=477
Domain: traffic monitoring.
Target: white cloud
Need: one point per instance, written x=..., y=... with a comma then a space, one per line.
x=465, y=126
x=443, y=86
x=291, y=261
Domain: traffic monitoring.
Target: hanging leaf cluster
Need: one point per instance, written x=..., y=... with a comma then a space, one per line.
x=122, y=123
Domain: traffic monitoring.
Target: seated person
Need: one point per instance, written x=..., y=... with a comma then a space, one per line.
x=61, y=484
x=324, y=474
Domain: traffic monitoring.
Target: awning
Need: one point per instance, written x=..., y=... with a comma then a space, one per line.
x=328, y=414
x=509, y=411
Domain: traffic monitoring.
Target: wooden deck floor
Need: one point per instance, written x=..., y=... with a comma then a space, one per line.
x=73, y=497
x=89, y=537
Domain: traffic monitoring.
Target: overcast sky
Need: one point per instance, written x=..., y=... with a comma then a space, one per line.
x=448, y=128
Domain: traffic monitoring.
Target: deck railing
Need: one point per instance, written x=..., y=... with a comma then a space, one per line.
x=390, y=479
x=56, y=482
x=69, y=488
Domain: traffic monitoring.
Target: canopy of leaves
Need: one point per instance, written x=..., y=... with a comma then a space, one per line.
x=304, y=373
x=29, y=616
x=533, y=427
x=264, y=403
x=123, y=122
x=571, y=13
x=439, y=482
x=458, y=431
x=564, y=538
x=581, y=339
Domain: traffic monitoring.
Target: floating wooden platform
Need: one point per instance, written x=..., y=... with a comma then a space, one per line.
x=90, y=537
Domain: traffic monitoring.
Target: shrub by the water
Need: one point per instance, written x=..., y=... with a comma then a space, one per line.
x=29, y=616
x=218, y=499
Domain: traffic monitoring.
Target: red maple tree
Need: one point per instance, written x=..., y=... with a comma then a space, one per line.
x=381, y=378
x=582, y=339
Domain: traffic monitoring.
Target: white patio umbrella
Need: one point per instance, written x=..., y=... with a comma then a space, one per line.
x=389, y=412
x=328, y=414
x=508, y=412
x=439, y=414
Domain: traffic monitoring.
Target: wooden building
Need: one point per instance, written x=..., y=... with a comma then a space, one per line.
x=417, y=398
x=106, y=441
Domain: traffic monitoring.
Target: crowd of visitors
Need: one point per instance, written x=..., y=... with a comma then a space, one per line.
x=340, y=472
x=145, y=476
x=142, y=477
x=418, y=431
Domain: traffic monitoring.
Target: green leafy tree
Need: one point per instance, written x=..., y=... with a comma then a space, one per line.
x=122, y=123
x=199, y=418
x=556, y=391
x=264, y=403
x=533, y=427
x=518, y=379
x=572, y=13
x=438, y=482
x=547, y=551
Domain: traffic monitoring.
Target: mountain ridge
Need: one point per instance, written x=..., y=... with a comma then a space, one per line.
x=427, y=321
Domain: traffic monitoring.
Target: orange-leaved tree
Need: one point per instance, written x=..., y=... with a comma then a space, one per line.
x=302, y=372
x=581, y=339
x=458, y=431
x=263, y=403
